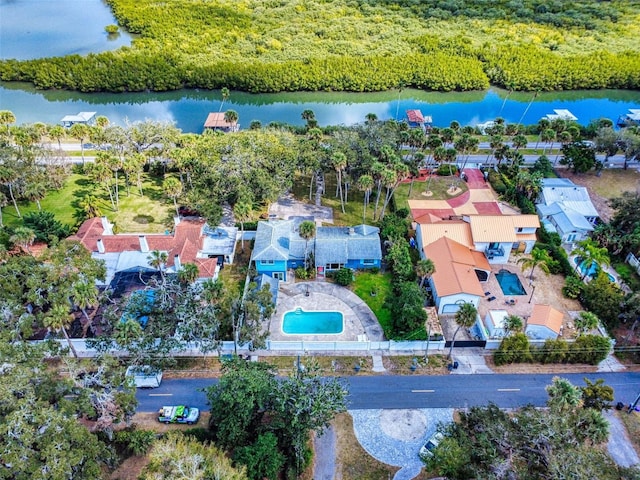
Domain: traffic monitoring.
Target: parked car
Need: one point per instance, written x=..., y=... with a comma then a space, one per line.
x=426, y=451
x=178, y=414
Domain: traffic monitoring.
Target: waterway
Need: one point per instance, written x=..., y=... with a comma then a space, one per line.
x=188, y=109
x=50, y=28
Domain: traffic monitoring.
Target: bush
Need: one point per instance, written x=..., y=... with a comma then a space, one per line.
x=302, y=273
x=344, y=276
x=200, y=434
x=402, y=213
x=262, y=458
x=446, y=170
x=495, y=179
x=554, y=351
x=513, y=349
x=248, y=226
x=572, y=287
x=591, y=349
x=136, y=442
x=46, y=227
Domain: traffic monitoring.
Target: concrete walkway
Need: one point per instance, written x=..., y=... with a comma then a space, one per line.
x=619, y=445
x=470, y=361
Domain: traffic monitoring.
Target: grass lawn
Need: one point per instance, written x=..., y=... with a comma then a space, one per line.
x=367, y=282
x=353, y=207
x=612, y=183
x=438, y=186
x=631, y=422
x=151, y=213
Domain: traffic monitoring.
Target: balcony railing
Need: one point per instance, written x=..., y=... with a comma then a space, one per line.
x=494, y=252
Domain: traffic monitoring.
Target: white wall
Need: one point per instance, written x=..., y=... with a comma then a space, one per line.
x=455, y=299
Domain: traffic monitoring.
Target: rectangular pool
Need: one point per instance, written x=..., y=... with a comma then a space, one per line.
x=299, y=322
x=510, y=283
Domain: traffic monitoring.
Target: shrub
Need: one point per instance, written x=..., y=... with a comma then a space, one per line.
x=262, y=458
x=591, y=349
x=446, y=170
x=572, y=287
x=302, y=273
x=495, y=179
x=554, y=351
x=513, y=349
x=46, y=227
x=136, y=442
x=402, y=213
x=344, y=276
x=111, y=29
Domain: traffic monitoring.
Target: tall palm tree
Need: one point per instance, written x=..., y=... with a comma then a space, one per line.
x=564, y=397
x=365, y=184
x=307, y=230
x=539, y=258
x=24, y=237
x=224, y=92
x=242, y=211
x=371, y=118
x=547, y=136
x=590, y=254
x=339, y=163
x=188, y=274
x=7, y=117
x=424, y=269
x=465, y=318
x=9, y=176
x=58, y=319
x=231, y=117
x=158, y=260
x=85, y=295
x=172, y=187
x=57, y=133
x=81, y=132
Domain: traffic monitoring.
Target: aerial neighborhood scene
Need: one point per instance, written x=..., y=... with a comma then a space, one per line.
x=351, y=240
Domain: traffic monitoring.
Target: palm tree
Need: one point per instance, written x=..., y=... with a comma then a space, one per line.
x=158, y=260
x=307, y=230
x=564, y=397
x=231, y=117
x=7, y=118
x=564, y=138
x=9, y=176
x=81, y=132
x=188, y=274
x=172, y=187
x=24, y=237
x=519, y=141
x=58, y=318
x=547, y=136
x=371, y=118
x=57, y=133
x=339, y=162
x=586, y=321
x=465, y=317
x=513, y=323
x=424, y=269
x=224, y=91
x=539, y=258
x=242, y=211
x=365, y=184
x=590, y=254
x=310, y=117
x=84, y=295
x=543, y=124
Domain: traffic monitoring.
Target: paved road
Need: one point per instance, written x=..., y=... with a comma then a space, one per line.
x=416, y=391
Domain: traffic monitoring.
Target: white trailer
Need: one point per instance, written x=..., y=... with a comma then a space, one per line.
x=144, y=376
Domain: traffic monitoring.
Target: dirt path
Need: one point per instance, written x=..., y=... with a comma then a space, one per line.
x=324, y=460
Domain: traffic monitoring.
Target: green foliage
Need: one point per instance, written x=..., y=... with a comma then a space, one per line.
x=572, y=287
x=513, y=349
x=578, y=157
x=344, y=276
x=136, y=442
x=597, y=395
x=399, y=258
x=446, y=170
x=46, y=227
x=407, y=314
x=603, y=298
x=393, y=227
x=591, y=349
x=497, y=182
x=262, y=459
x=111, y=29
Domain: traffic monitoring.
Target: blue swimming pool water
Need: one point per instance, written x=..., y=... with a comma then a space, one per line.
x=314, y=322
x=592, y=271
x=510, y=283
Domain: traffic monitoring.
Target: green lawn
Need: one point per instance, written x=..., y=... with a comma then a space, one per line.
x=151, y=213
x=367, y=282
x=438, y=186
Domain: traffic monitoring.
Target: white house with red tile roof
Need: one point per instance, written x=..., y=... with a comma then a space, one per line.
x=192, y=241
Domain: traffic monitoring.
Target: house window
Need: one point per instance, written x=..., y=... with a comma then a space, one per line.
x=571, y=237
x=494, y=245
x=266, y=262
x=368, y=261
x=278, y=275
x=520, y=229
x=334, y=266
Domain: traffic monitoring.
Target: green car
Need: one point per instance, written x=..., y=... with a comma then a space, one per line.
x=178, y=414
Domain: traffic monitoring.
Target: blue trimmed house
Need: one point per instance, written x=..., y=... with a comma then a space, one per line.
x=279, y=247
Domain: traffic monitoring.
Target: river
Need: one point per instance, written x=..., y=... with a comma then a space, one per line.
x=189, y=108
x=42, y=28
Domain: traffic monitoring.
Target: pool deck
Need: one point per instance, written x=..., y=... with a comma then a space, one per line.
x=358, y=317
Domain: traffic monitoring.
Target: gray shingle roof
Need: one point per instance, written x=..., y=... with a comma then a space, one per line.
x=272, y=240
x=563, y=190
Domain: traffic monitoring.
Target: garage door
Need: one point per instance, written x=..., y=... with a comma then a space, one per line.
x=450, y=308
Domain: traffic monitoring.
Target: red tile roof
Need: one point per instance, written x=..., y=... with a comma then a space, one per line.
x=415, y=116
x=216, y=120
x=186, y=242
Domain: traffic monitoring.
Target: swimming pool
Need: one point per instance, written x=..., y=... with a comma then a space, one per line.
x=510, y=283
x=299, y=322
x=593, y=270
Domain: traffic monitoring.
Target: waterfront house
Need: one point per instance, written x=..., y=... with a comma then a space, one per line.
x=629, y=119
x=459, y=274
x=416, y=119
x=566, y=208
x=561, y=114
x=545, y=322
x=192, y=241
x=86, y=118
x=279, y=248
x=216, y=122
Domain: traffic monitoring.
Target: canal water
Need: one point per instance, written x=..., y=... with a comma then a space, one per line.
x=44, y=28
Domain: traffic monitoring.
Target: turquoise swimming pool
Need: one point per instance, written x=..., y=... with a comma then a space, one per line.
x=300, y=322
x=510, y=283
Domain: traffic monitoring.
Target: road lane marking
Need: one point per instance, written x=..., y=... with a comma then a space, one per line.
x=161, y=394
x=422, y=391
x=508, y=389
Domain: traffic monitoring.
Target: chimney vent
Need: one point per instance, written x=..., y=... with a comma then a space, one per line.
x=144, y=245
x=176, y=263
x=100, y=246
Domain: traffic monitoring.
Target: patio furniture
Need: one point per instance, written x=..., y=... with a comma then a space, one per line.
x=491, y=299
x=486, y=294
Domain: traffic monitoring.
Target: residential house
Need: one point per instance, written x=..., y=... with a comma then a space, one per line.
x=216, y=122
x=561, y=114
x=86, y=118
x=192, y=241
x=544, y=322
x=279, y=247
x=459, y=274
x=494, y=235
x=566, y=208
x=629, y=119
x=416, y=119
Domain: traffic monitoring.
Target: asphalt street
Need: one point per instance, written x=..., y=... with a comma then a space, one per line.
x=415, y=391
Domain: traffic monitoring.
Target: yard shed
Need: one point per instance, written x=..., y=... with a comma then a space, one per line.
x=544, y=322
